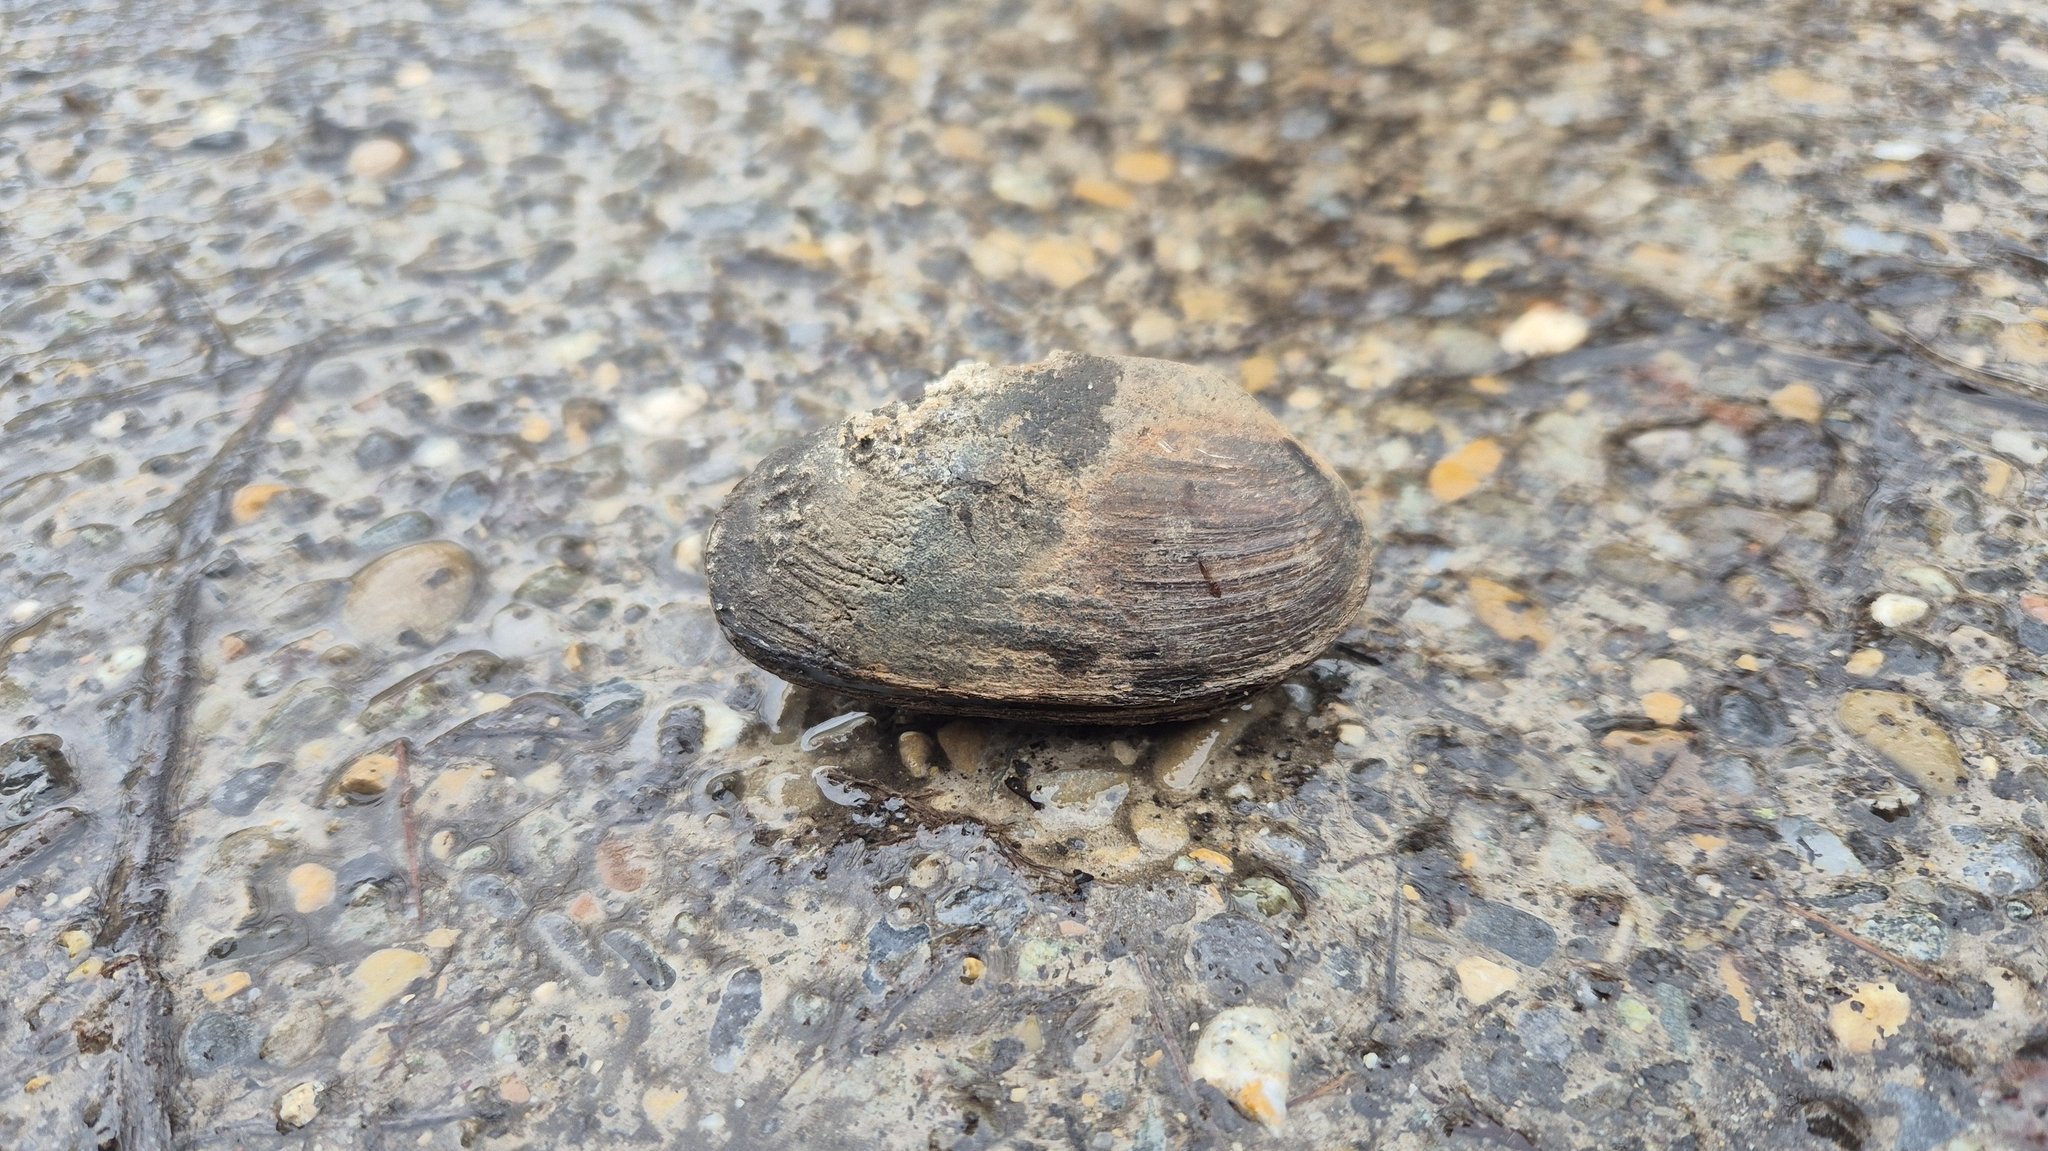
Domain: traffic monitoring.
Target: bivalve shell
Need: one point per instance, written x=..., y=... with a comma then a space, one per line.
x=1088, y=539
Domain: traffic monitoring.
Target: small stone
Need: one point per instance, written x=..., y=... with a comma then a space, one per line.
x=380, y=449
x=2003, y=868
x=1443, y=233
x=396, y=530
x=1824, y=849
x=1160, y=831
x=1864, y=662
x=1894, y=610
x=851, y=40
x=1062, y=261
x=1797, y=401
x=299, y=1106
x=965, y=743
x=625, y=863
x=959, y=142
x=1900, y=730
x=1663, y=708
x=1517, y=934
x=368, y=776
x=1508, y=613
x=1931, y=580
x=225, y=987
x=1659, y=675
x=74, y=942
x=1153, y=328
x=2020, y=446
x=1258, y=373
x=1143, y=167
x=1104, y=193
x=418, y=591
x=919, y=753
x=1545, y=330
x=972, y=968
x=1079, y=799
x=536, y=428
x=1482, y=981
x=1873, y=1014
x=1247, y=1054
x=383, y=976
x=218, y=1040
x=378, y=158
x=1351, y=734
x=1459, y=474
x=551, y=587
x=51, y=159
x=251, y=499
x=738, y=1006
x=1917, y=935
x=311, y=887
x=1985, y=679
x=1027, y=188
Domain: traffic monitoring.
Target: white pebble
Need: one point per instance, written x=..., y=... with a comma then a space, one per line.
x=121, y=662
x=300, y=1105
x=377, y=158
x=2020, y=446
x=1894, y=610
x=666, y=412
x=1545, y=330
x=1246, y=1053
x=437, y=452
x=722, y=726
x=1932, y=580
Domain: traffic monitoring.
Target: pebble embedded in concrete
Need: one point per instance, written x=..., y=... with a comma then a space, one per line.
x=1246, y=1053
x=299, y=1106
x=420, y=591
x=1894, y=610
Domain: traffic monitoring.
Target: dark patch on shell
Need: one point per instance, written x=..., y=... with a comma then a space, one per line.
x=1087, y=538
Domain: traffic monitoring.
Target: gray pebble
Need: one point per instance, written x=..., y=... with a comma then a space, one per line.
x=997, y=908
x=494, y=896
x=396, y=530
x=2002, y=867
x=563, y=943
x=550, y=587
x=34, y=774
x=1512, y=932
x=737, y=1007
x=381, y=449
x=640, y=958
x=246, y=788
x=1914, y=934
x=1232, y=956
x=218, y=1039
x=894, y=951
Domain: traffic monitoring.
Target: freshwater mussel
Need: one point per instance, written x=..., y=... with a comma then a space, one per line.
x=1087, y=539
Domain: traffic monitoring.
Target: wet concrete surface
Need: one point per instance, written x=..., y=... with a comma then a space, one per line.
x=375, y=775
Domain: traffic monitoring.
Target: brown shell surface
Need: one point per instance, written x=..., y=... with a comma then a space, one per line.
x=1088, y=539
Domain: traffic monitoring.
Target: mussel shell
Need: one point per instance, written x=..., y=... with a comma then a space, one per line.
x=1087, y=539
